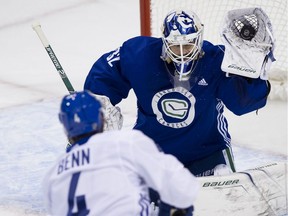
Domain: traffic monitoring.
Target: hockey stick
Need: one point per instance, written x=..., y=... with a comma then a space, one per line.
x=47, y=46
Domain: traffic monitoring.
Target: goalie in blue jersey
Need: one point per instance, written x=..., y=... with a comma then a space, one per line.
x=181, y=90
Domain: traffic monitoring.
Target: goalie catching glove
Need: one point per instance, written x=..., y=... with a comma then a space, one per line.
x=249, y=43
x=112, y=114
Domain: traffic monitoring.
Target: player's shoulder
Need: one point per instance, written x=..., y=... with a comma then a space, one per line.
x=125, y=134
x=130, y=137
x=118, y=135
x=143, y=39
x=133, y=139
x=142, y=42
x=212, y=50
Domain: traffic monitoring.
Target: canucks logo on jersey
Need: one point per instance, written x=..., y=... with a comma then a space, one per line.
x=174, y=107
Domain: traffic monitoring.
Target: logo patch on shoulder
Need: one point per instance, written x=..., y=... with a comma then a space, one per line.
x=174, y=107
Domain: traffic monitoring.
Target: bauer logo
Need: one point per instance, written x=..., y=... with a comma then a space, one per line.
x=221, y=183
x=241, y=68
x=174, y=107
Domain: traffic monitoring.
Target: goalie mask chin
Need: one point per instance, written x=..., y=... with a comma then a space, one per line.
x=184, y=69
x=182, y=41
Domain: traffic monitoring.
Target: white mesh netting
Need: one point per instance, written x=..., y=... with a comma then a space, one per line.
x=212, y=13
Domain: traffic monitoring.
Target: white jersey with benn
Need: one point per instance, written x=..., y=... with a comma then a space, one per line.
x=110, y=175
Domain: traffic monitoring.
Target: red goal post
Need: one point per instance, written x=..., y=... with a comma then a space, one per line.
x=211, y=13
x=145, y=17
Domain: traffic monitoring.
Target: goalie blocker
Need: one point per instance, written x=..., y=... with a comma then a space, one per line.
x=249, y=43
x=112, y=114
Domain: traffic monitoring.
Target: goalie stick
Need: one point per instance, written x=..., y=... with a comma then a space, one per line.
x=37, y=28
x=113, y=116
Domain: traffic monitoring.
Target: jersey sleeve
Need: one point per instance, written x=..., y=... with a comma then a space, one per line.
x=164, y=173
x=239, y=94
x=106, y=77
x=242, y=95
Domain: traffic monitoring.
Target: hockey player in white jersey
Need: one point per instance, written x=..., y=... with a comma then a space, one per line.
x=109, y=173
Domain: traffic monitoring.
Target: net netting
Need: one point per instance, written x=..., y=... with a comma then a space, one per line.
x=212, y=13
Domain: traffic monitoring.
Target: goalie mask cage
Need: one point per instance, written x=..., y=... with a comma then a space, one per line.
x=212, y=13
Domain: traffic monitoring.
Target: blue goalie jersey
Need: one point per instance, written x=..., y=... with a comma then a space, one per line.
x=185, y=118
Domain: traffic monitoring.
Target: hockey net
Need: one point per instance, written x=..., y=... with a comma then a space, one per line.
x=211, y=13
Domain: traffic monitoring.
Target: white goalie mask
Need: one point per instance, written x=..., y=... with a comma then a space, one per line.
x=182, y=38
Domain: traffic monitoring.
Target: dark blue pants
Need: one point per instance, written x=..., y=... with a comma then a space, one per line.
x=165, y=210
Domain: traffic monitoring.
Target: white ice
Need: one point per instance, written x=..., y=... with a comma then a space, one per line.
x=79, y=32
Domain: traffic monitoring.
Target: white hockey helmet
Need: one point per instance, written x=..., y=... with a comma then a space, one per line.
x=182, y=36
